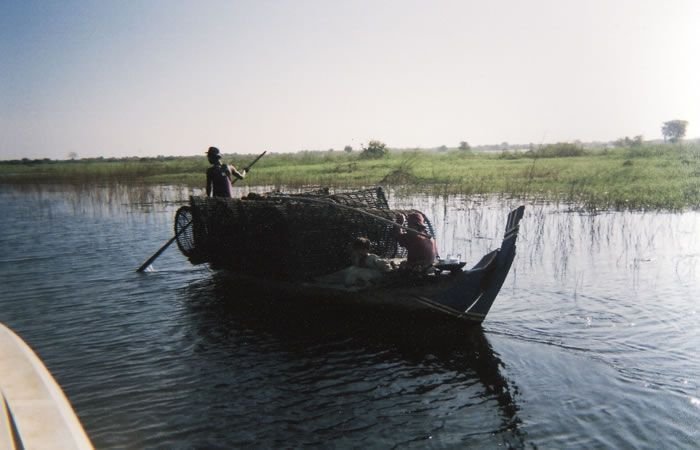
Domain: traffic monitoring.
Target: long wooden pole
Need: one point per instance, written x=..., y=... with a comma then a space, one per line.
x=150, y=260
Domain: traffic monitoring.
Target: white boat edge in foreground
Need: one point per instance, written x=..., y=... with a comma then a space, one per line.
x=34, y=411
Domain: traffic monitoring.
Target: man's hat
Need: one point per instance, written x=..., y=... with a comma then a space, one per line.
x=213, y=152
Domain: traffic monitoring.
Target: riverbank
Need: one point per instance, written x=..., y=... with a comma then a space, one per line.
x=659, y=177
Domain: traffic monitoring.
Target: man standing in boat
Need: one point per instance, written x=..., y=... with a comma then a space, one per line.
x=421, y=248
x=219, y=175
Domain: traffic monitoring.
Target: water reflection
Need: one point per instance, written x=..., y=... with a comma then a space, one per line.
x=551, y=235
x=566, y=242
x=338, y=358
x=91, y=200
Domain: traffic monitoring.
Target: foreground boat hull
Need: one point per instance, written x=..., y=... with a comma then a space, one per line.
x=34, y=412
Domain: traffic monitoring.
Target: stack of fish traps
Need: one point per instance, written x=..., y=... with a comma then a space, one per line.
x=287, y=235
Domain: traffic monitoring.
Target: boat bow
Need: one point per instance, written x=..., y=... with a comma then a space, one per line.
x=471, y=296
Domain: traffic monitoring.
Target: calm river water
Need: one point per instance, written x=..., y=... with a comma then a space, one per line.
x=592, y=343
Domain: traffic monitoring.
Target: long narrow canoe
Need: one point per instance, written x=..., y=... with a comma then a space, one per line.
x=34, y=411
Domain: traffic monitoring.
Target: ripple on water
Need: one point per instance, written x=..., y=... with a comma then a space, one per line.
x=592, y=342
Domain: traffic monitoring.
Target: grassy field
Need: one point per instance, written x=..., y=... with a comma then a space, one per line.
x=665, y=177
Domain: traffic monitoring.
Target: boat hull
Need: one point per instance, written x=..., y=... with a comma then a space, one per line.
x=297, y=248
x=460, y=295
x=34, y=411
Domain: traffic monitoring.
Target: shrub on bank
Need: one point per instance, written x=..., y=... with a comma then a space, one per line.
x=559, y=150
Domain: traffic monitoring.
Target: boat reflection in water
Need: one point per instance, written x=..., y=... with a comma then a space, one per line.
x=303, y=373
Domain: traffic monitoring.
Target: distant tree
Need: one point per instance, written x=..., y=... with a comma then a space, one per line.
x=636, y=141
x=375, y=150
x=623, y=142
x=442, y=148
x=504, y=145
x=674, y=130
x=348, y=149
x=464, y=145
x=72, y=155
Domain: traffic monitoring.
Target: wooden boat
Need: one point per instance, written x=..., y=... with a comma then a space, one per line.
x=34, y=412
x=296, y=247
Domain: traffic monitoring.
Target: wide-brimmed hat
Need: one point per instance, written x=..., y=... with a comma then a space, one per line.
x=213, y=152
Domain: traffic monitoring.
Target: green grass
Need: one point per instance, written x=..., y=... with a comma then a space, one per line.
x=665, y=177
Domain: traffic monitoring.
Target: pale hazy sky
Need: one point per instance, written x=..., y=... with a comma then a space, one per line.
x=165, y=77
